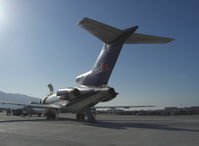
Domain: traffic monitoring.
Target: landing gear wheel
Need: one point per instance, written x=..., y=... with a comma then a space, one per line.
x=90, y=115
x=51, y=116
x=80, y=116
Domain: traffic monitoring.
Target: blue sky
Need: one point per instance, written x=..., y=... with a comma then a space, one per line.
x=40, y=43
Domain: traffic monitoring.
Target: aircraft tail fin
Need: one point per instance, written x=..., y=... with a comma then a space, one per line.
x=113, y=39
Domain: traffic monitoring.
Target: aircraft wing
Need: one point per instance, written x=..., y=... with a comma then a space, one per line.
x=44, y=106
x=119, y=107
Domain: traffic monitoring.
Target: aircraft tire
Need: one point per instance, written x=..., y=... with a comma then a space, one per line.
x=51, y=116
x=80, y=116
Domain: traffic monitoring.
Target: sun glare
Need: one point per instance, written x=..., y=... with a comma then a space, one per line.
x=1, y=14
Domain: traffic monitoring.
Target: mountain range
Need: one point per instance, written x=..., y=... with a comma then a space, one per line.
x=16, y=98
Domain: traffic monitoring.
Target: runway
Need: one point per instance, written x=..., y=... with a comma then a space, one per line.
x=110, y=130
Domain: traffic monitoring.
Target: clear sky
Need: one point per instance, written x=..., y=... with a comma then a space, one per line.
x=40, y=43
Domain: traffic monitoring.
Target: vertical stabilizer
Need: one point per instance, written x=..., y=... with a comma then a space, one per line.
x=103, y=67
x=113, y=39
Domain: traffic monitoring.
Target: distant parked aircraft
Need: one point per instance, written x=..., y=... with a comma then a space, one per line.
x=93, y=86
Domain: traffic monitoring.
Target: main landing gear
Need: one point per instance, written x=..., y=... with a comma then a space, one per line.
x=51, y=115
x=88, y=113
x=80, y=116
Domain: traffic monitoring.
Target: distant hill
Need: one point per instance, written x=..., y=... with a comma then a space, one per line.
x=17, y=98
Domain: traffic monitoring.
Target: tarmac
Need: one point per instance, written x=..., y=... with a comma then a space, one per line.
x=110, y=130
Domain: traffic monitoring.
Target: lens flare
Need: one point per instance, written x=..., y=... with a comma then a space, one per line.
x=1, y=14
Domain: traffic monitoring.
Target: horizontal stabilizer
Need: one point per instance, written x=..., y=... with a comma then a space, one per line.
x=102, y=31
x=108, y=33
x=137, y=38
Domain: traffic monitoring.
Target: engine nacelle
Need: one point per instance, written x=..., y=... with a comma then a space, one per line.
x=112, y=95
x=68, y=93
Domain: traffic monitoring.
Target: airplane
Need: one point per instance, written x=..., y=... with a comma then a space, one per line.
x=93, y=85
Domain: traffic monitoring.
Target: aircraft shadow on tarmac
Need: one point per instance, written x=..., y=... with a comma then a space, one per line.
x=111, y=125
x=125, y=125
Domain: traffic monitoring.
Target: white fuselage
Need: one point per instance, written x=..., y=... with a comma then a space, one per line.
x=89, y=96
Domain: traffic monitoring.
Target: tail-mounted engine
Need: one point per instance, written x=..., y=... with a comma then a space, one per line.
x=107, y=93
x=112, y=94
x=68, y=93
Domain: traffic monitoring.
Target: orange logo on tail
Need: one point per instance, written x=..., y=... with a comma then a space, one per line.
x=103, y=67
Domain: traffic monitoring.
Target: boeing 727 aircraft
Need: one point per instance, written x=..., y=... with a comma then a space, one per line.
x=93, y=87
